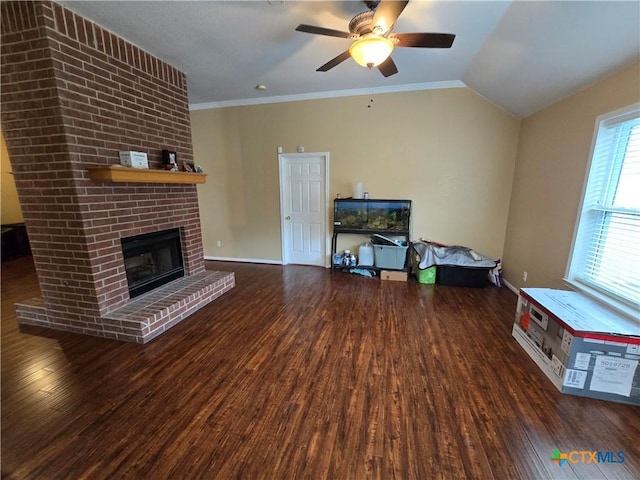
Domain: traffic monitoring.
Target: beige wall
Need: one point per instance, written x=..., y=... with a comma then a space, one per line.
x=450, y=151
x=551, y=165
x=10, y=207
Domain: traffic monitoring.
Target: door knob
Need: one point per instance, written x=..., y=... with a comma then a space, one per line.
x=288, y=217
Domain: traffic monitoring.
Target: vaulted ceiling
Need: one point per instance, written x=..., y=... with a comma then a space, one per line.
x=520, y=55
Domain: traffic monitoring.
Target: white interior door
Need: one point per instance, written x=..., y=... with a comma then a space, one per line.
x=303, y=201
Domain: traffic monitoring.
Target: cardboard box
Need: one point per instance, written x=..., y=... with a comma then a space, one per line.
x=582, y=347
x=391, y=275
x=134, y=159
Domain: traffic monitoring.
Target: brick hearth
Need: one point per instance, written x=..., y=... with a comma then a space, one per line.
x=73, y=95
x=147, y=316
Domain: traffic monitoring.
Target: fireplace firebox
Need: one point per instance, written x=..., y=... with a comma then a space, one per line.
x=152, y=259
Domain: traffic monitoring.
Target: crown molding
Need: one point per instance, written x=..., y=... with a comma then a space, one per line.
x=331, y=94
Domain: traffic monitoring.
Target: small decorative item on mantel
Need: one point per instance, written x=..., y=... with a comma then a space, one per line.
x=188, y=167
x=170, y=160
x=198, y=169
x=133, y=159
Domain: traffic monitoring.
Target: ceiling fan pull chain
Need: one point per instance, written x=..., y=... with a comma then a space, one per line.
x=370, y=88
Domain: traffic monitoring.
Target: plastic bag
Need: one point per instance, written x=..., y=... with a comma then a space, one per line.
x=495, y=274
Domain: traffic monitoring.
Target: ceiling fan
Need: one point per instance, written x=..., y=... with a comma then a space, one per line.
x=374, y=40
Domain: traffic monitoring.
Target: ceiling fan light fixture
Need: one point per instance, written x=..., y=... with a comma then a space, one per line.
x=371, y=51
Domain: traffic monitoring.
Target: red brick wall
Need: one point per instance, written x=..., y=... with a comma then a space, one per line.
x=73, y=95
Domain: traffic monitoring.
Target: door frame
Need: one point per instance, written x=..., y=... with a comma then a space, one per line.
x=282, y=158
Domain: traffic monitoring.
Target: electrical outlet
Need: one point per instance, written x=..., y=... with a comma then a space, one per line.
x=219, y=243
x=524, y=276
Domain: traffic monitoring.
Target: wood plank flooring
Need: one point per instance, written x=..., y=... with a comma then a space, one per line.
x=300, y=373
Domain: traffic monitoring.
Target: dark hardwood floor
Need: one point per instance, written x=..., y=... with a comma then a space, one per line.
x=298, y=373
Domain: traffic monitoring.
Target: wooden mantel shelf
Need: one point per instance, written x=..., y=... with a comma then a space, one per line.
x=117, y=173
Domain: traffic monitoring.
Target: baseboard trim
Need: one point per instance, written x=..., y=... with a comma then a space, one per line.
x=254, y=260
x=279, y=262
x=243, y=260
x=511, y=287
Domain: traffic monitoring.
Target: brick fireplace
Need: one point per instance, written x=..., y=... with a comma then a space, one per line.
x=73, y=95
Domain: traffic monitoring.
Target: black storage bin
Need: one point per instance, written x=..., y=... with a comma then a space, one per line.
x=453, y=276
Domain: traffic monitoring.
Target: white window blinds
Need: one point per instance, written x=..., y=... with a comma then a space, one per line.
x=606, y=250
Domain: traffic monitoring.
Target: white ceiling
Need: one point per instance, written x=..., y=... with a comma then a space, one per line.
x=520, y=55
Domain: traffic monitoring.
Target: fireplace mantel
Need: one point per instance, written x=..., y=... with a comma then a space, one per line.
x=120, y=174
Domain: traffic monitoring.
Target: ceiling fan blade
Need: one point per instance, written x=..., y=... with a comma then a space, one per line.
x=388, y=67
x=424, y=40
x=386, y=14
x=334, y=61
x=322, y=31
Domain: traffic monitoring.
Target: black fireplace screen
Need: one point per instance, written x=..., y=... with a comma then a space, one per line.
x=152, y=259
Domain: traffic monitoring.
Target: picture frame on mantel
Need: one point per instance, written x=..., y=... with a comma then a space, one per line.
x=169, y=157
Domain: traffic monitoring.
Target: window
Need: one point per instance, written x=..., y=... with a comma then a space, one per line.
x=605, y=261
